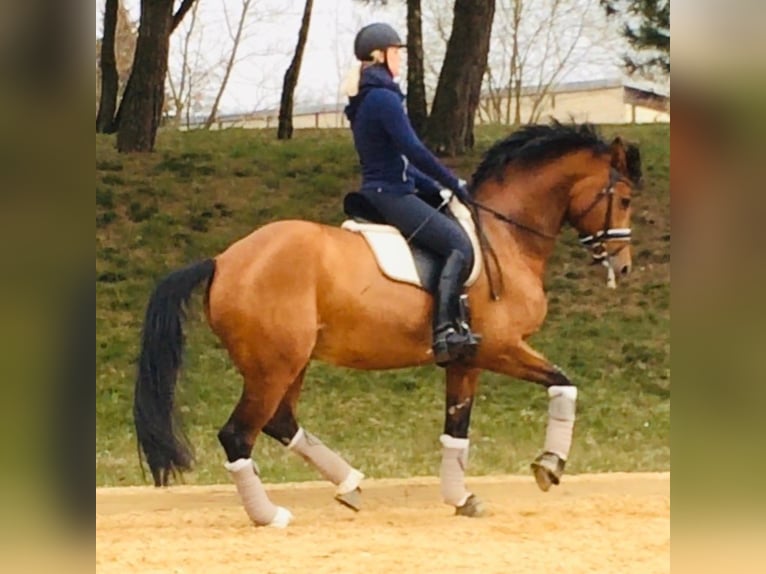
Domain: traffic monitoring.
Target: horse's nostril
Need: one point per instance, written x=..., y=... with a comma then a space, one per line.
x=625, y=269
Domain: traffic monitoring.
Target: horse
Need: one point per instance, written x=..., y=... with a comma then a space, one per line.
x=294, y=291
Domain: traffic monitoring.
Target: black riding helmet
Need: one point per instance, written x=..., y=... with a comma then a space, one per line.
x=378, y=36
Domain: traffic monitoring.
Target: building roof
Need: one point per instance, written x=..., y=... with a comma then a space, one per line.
x=645, y=93
x=600, y=84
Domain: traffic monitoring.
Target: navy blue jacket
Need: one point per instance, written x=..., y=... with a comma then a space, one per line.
x=392, y=156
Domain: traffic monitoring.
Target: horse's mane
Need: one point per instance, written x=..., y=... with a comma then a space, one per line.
x=535, y=143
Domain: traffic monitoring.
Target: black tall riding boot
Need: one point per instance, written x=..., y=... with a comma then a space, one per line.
x=453, y=338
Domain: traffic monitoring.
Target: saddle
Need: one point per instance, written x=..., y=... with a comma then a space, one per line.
x=399, y=260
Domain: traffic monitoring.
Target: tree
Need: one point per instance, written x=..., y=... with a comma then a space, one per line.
x=437, y=27
x=417, y=109
x=114, y=55
x=109, y=77
x=141, y=108
x=285, y=129
x=450, y=127
x=236, y=38
x=185, y=77
x=535, y=44
x=647, y=30
x=416, y=89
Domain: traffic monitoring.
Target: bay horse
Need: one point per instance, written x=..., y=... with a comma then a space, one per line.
x=293, y=291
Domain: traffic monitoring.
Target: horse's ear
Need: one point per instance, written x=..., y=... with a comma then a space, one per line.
x=619, y=161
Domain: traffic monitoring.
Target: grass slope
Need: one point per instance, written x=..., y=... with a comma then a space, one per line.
x=202, y=190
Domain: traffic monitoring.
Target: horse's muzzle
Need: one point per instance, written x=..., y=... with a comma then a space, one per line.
x=621, y=261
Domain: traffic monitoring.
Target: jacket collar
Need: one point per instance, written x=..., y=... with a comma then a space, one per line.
x=376, y=76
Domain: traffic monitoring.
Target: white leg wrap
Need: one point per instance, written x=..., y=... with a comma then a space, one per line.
x=561, y=419
x=328, y=462
x=257, y=504
x=351, y=482
x=452, y=472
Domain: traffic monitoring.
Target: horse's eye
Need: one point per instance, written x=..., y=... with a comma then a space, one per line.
x=625, y=202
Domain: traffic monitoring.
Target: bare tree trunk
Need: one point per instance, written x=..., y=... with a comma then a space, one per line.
x=140, y=111
x=178, y=98
x=188, y=105
x=182, y=94
x=492, y=104
x=541, y=42
x=515, y=84
x=450, y=126
x=141, y=108
x=285, y=129
x=107, y=105
x=416, y=88
x=230, y=64
x=546, y=84
x=518, y=86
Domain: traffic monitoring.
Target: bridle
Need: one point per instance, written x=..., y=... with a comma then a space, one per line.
x=596, y=242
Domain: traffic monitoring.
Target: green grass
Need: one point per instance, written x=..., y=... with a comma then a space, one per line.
x=202, y=190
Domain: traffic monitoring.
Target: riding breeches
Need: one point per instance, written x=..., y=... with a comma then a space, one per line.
x=423, y=225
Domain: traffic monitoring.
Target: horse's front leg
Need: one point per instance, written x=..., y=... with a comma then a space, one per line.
x=523, y=362
x=461, y=390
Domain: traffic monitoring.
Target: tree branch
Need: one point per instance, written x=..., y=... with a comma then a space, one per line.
x=230, y=64
x=179, y=15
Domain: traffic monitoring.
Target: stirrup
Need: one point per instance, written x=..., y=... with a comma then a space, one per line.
x=451, y=345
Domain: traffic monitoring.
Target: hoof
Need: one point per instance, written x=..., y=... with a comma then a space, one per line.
x=281, y=519
x=472, y=507
x=352, y=499
x=547, y=468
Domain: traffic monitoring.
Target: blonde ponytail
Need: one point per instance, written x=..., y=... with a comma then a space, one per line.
x=350, y=85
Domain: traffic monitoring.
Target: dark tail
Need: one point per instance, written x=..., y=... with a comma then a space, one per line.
x=158, y=430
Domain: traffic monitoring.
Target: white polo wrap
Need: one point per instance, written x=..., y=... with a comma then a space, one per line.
x=253, y=496
x=452, y=472
x=561, y=419
x=328, y=462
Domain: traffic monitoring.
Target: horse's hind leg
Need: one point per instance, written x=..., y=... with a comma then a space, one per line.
x=284, y=428
x=260, y=399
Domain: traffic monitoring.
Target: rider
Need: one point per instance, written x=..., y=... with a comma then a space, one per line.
x=393, y=162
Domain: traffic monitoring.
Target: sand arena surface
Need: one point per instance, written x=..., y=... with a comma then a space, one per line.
x=610, y=523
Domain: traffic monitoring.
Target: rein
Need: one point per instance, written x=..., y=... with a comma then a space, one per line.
x=511, y=221
x=486, y=244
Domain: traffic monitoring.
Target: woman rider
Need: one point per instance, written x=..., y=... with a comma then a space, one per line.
x=394, y=162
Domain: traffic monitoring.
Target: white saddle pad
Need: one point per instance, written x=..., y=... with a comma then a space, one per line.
x=393, y=253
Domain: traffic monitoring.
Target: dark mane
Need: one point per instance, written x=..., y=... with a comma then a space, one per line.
x=533, y=144
x=633, y=160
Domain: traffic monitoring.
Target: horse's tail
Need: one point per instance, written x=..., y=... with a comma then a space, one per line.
x=158, y=429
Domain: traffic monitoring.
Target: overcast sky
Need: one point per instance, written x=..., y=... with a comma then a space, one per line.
x=272, y=31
